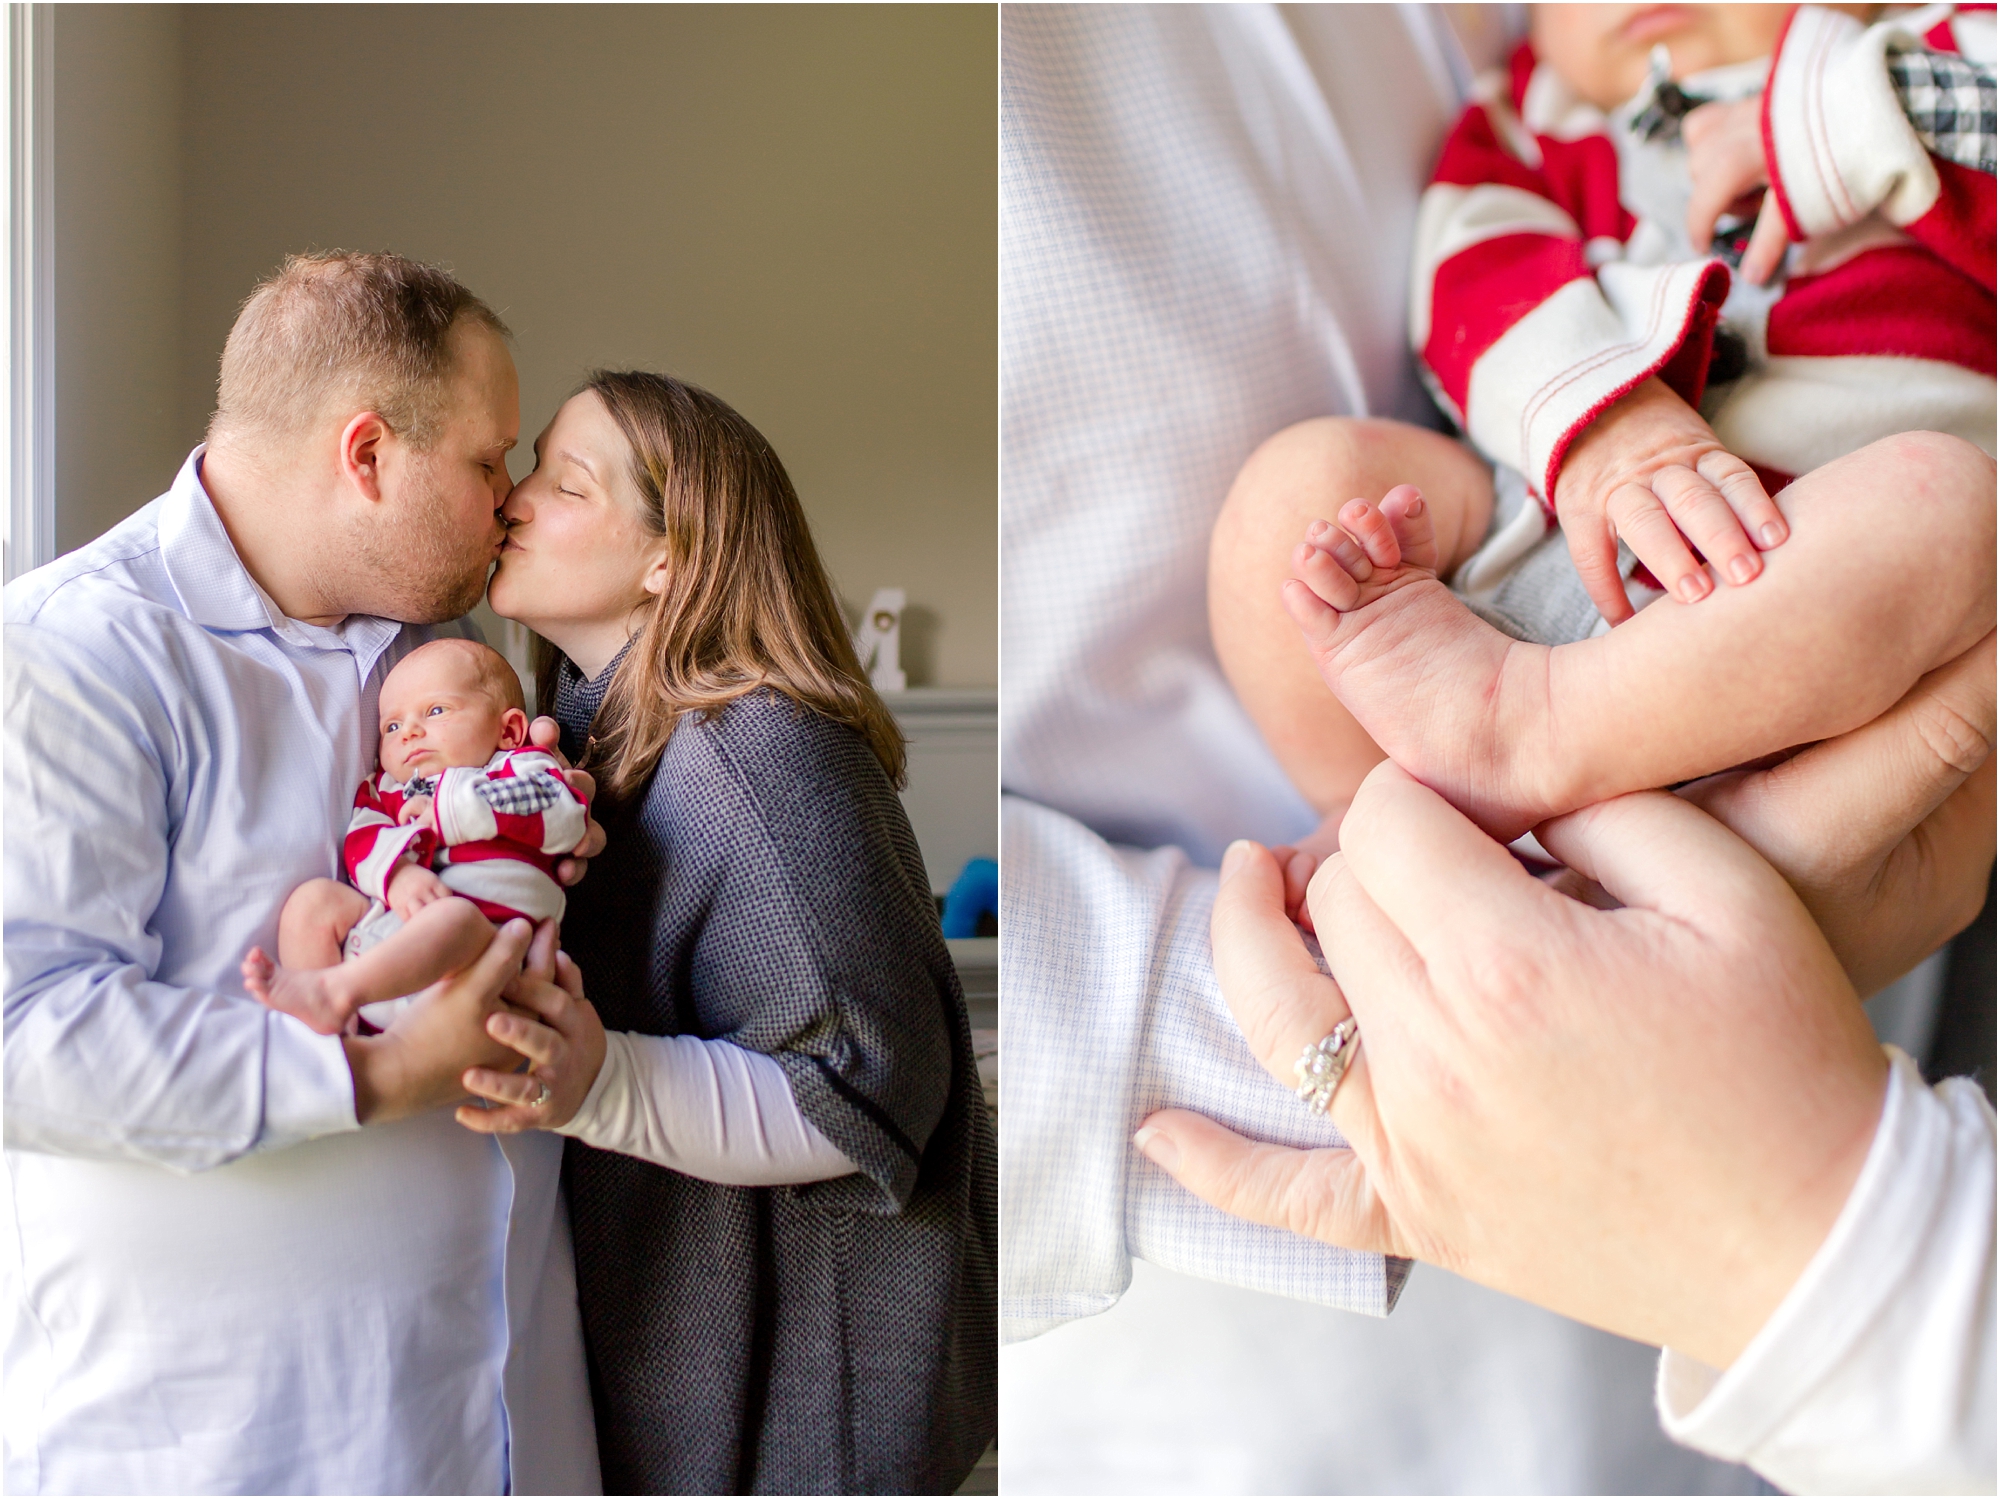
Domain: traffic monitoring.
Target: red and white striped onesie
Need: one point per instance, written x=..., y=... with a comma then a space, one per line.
x=502, y=828
x=1553, y=271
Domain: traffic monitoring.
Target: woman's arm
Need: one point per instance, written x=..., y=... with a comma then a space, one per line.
x=1667, y=1120
x=703, y=1108
x=706, y=1109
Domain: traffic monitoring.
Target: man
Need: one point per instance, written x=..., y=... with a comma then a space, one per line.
x=218, y=1280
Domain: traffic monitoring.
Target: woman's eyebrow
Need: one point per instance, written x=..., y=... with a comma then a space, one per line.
x=580, y=461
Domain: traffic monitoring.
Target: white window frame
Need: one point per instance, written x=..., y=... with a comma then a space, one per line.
x=29, y=538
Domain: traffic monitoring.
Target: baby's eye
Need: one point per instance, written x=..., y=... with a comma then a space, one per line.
x=437, y=710
x=391, y=726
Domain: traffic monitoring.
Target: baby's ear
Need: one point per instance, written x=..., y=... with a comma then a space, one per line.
x=513, y=729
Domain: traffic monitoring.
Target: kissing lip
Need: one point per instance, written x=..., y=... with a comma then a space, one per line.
x=1654, y=22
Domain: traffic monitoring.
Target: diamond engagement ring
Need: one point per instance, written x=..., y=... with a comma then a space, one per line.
x=1321, y=1067
x=545, y=1096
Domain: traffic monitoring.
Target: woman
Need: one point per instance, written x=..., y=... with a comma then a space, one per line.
x=781, y=1178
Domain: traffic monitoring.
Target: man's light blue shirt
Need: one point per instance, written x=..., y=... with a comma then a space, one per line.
x=216, y=1281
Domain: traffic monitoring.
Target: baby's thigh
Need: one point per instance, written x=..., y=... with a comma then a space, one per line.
x=319, y=910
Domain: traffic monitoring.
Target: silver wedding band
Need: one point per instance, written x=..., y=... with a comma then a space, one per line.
x=545, y=1095
x=1321, y=1066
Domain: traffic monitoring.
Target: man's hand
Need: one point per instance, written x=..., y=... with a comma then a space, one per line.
x=1549, y=1099
x=546, y=735
x=412, y=887
x=1725, y=150
x=416, y=1064
x=1649, y=470
x=1887, y=832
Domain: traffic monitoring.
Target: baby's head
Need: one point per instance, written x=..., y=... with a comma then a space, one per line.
x=1600, y=51
x=451, y=702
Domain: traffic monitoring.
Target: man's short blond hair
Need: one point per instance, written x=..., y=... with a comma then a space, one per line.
x=371, y=332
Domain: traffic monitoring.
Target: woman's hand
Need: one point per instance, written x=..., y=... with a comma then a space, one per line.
x=564, y=1047
x=414, y=1066
x=546, y=735
x=1725, y=151
x=1887, y=832
x=1649, y=470
x=1646, y=1119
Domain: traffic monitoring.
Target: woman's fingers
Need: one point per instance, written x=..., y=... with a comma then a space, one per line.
x=569, y=976
x=1322, y=1194
x=1435, y=876
x=539, y=1043
x=1280, y=999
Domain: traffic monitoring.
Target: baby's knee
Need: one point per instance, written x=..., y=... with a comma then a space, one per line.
x=1302, y=474
x=320, y=903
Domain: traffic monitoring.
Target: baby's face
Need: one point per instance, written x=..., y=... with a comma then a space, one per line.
x=436, y=714
x=1600, y=50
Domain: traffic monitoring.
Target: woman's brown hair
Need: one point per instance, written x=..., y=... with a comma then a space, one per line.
x=747, y=603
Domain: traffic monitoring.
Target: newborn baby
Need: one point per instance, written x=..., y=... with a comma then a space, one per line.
x=460, y=829
x=1576, y=313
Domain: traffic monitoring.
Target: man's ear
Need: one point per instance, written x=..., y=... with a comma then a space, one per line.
x=513, y=729
x=361, y=443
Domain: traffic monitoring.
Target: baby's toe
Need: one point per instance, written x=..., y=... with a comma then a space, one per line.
x=1317, y=569
x=1410, y=519
x=1367, y=525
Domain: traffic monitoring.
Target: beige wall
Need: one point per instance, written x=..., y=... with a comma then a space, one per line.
x=792, y=205
x=121, y=425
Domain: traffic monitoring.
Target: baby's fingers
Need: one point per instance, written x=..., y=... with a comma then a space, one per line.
x=1761, y=517
x=1643, y=522
x=1593, y=548
x=1704, y=517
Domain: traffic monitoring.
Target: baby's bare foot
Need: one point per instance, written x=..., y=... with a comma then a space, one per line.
x=302, y=993
x=1299, y=862
x=1447, y=697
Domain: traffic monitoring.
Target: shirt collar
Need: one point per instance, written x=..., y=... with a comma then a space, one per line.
x=216, y=590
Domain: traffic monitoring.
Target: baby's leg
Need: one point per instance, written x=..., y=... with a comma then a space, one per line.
x=1305, y=473
x=440, y=938
x=1887, y=574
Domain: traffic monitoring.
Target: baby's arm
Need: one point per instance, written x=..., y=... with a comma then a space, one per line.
x=1543, y=340
x=525, y=800
x=1863, y=120
x=1651, y=472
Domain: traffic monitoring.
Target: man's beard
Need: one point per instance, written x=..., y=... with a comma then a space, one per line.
x=423, y=569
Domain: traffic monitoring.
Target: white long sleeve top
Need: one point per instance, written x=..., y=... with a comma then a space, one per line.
x=709, y=1109
x=1875, y=1374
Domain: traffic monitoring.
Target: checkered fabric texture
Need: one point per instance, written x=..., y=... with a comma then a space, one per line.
x=1199, y=247
x=1949, y=102
x=521, y=796
x=837, y=1337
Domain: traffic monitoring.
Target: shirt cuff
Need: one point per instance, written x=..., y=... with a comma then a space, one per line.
x=617, y=1059
x=1848, y=1386
x=308, y=1085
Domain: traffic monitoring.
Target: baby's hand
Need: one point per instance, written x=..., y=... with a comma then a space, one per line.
x=419, y=809
x=1725, y=150
x=1650, y=471
x=412, y=887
